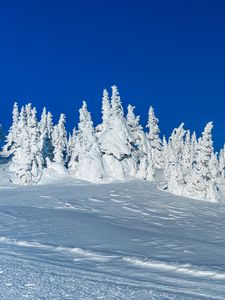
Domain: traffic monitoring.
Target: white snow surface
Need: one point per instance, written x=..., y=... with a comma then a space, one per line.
x=69, y=239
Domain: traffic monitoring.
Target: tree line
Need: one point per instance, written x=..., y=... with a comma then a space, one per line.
x=116, y=149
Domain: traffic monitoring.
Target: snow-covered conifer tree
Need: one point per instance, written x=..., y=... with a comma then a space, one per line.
x=187, y=153
x=154, y=138
x=71, y=145
x=86, y=161
x=214, y=167
x=222, y=162
x=35, y=151
x=106, y=108
x=106, y=113
x=116, y=104
x=50, y=126
x=173, y=170
x=10, y=138
x=141, y=149
x=45, y=127
x=59, y=140
x=117, y=142
x=164, y=152
x=27, y=161
x=201, y=181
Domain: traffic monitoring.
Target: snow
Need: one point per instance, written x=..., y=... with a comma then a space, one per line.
x=113, y=150
x=69, y=239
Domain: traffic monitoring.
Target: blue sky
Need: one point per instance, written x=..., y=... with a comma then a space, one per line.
x=169, y=54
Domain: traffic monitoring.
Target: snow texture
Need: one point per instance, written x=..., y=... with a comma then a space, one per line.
x=69, y=239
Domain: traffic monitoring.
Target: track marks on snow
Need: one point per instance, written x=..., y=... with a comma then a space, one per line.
x=79, y=254
x=185, y=269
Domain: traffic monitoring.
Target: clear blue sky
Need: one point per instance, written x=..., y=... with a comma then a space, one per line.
x=165, y=53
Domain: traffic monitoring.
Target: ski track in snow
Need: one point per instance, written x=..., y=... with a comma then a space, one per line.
x=113, y=241
x=79, y=253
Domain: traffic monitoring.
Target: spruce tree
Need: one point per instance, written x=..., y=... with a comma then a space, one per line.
x=154, y=138
x=46, y=135
x=201, y=180
x=10, y=138
x=59, y=141
x=141, y=148
x=27, y=161
x=117, y=108
x=86, y=161
x=117, y=142
x=71, y=144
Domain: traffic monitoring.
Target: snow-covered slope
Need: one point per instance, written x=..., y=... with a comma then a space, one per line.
x=76, y=240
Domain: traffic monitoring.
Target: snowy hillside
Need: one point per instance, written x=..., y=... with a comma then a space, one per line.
x=74, y=240
x=103, y=213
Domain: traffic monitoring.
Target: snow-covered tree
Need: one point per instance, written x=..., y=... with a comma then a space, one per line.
x=201, y=181
x=27, y=161
x=35, y=151
x=222, y=162
x=46, y=128
x=71, y=144
x=214, y=167
x=50, y=126
x=106, y=108
x=86, y=161
x=187, y=159
x=154, y=138
x=132, y=120
x=10, y=138
x=117, y=142
x=106, y=113
x=59, y=140
x=141, y=147
x=117, y=108
x=164, y=152
x=173, y=169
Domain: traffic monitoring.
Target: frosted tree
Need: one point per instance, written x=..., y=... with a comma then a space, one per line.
x=214, y=167
x=50, y=126
x=71, y=144
x=140, y=146
x=136, y=144
x=117, y=108
x=201, y=180
x=18, y=140
x=117, y=142
x=86, y=160
x=46, y=128
x=28, y=111
x=222, y=162
x=173, y=169
x=164, y=152
x=20, y=159
x=154, y=138
x=132, y=120
x=27, y=161
x=187, y=159
x=106, y=107
x=106, y=113
x=35, y=151
x=86, y=136
x=59, y=140
x=10, y=138
x=194, y=144
x=150, y=166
